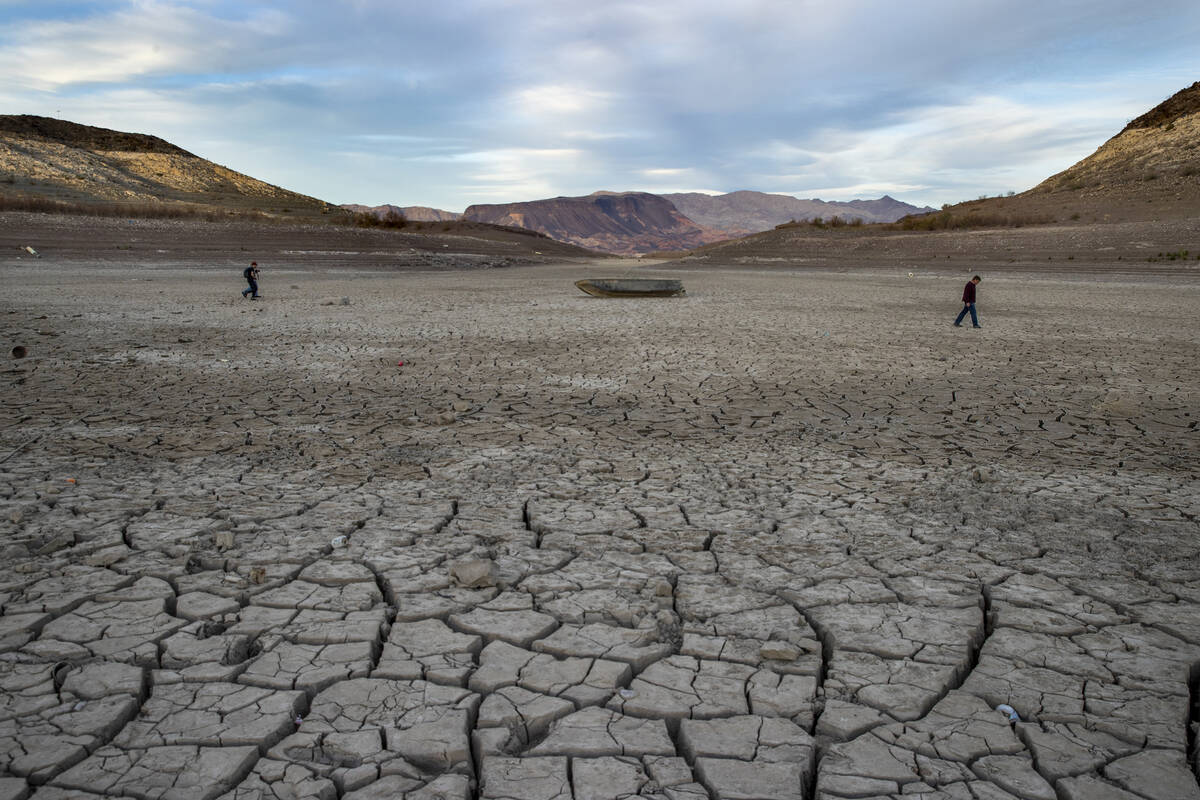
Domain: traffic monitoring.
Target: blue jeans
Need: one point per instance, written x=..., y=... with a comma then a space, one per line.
x=974, y=318
x=253, y=287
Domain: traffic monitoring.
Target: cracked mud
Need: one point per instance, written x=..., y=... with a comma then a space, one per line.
x=791, y=536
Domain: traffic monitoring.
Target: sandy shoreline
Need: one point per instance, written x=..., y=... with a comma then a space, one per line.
x=793, y=498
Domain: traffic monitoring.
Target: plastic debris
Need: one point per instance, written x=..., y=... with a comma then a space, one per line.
x=338, y=541
x=31, y=251
x=1013, y=716
x=627, y=693
x=79, y=706
x=299, y=720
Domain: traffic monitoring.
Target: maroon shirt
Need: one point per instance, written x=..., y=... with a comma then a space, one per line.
x=969, y=292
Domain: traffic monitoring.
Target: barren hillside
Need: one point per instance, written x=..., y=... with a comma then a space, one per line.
x=65, y=161
x=1148, y=171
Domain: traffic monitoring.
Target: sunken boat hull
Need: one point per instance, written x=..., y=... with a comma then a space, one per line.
x=631, y=287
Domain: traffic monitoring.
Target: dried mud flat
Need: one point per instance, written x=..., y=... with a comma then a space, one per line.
x=789, y=536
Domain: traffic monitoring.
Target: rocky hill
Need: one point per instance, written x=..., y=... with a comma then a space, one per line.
x=56, y=160
x=410, y=213
x=1156, y=156
x=1149, y=171
x=626, y=223
x=427, y=214
x=740, y=213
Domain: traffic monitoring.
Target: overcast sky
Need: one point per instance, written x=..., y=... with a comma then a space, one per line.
x=451, y=102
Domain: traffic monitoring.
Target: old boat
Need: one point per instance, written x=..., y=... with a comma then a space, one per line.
x=631, y=287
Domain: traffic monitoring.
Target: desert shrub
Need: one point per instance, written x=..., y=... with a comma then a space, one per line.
x=368, y=219
x=948, y=220
x=45, y=205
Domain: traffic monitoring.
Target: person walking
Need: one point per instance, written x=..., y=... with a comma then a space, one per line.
x=969, y=304
x=250, y=273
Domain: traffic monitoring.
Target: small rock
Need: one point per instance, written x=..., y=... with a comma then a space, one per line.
x=474, y=574
x=779, y=651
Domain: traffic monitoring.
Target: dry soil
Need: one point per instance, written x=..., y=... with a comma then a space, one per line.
x=792, y=535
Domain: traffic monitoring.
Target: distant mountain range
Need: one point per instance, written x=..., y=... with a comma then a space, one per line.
x=412, y=213
x=626, y=223
x=740, y=213
x=633, y=223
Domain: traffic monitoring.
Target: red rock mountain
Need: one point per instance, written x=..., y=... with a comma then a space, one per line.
x=626, y=223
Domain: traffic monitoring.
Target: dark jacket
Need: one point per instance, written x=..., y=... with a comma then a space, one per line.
x=969, y=292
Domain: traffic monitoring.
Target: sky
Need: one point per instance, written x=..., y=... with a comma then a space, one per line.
x=446, y=103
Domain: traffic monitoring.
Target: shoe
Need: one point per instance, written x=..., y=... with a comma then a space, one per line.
x=958, y=324
x=976, y=326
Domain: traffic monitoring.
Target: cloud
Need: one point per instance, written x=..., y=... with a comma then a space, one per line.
x=142, y=39
x=984, y=144
x=514, y=174
x=559, y=100
x=449, y=103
